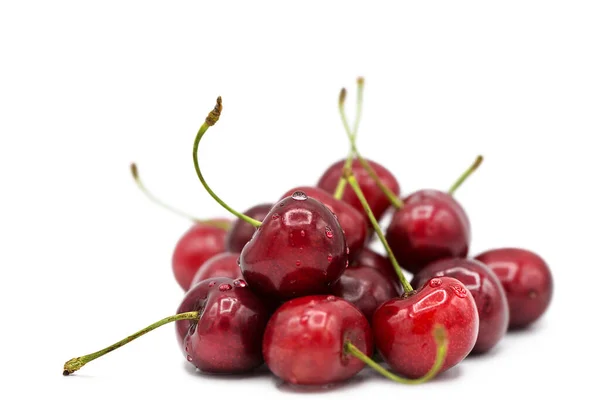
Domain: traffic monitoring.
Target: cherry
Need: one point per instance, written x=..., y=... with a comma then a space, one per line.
x=366, y=288
x=220, y=325
x=526, y=279
x=487, y=291
x=227, y=338
x=352, y=222
x=241, y=231
x=377, y=200
x=300, y=248
x=430, y=225
x=223, y=265
x=304, y=340
x=196, y=246
x=401, y=326
x=203, y=240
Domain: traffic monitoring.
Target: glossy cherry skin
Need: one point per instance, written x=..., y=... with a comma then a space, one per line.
x=224, y=265
x=352, y=222
x=366, y=288
x=228, y=336
x=241, y=232
x=526, y=279
x=299, y=250
x=304, y=340
x=198, y=244
x=492, y=306
x=377, y=200
x=403, y=326
x=430, y=226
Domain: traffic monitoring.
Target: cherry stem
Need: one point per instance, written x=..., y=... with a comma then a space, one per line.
x=136, y=177
x=393, y=199
x=465, y=175
x=361, y=197
x=75, y=364
x=360, y=85
x=212, y=119
x=441, y=341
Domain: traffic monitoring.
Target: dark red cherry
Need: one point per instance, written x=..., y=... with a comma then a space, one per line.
x=430, y=226
x=375, y=197
x=492, y=306
x=224, y=265
x=228, y=336
x=298, y=250
x=304, y=340
x=526, y=279
x=241, y=231
x=402, y=326
x=352, y=222
x=372, y=259
x=198, y=244
x=366, y=288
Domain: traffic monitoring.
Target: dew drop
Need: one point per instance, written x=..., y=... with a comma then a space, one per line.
x=298, y=263
x=435, y=282
x=460, y=291
x=302, y=233
x=346, y=263
x=329, y=258
x=275, y=216
x=211, y=284
x=240, y=283
x=239, y=263
x=298, y=195
x=304, y=319
x=186, y=349
x=331, y=298
x=328, y=232
x=225, y=287
x=347, y=250
x=189, y=358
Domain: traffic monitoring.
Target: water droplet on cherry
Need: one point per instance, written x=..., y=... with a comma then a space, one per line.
x=213, y=283
x=302, y=233
x=298, y=263
x=328, y=232
x=225, y=287
x=460, y=291
x=275, y=216
x=299, y=195
x=435, y=282
x=329, y=258
x=189, y=358
x=240, y=283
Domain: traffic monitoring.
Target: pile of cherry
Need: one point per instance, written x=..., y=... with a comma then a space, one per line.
x=295, y=285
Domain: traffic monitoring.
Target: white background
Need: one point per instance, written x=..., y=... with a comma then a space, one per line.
x=86, y=88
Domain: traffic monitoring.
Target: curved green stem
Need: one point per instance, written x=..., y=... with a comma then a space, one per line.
x=466, y=174
x=136, y=177
x=441, y=340
x=76, y=363
x=212, y=119
x=354, y=184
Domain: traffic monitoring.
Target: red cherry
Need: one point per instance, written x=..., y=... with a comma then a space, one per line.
x=492, y=306
x=402, y=326
x=526, y=279
x=375, y=197
x=430, y=226
x=304, y=340
x=227, y=338
x=366, y=288
x=241, y=231
x=201, y=242
x=352, y=222
x=299, y=249
x=223, y=265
